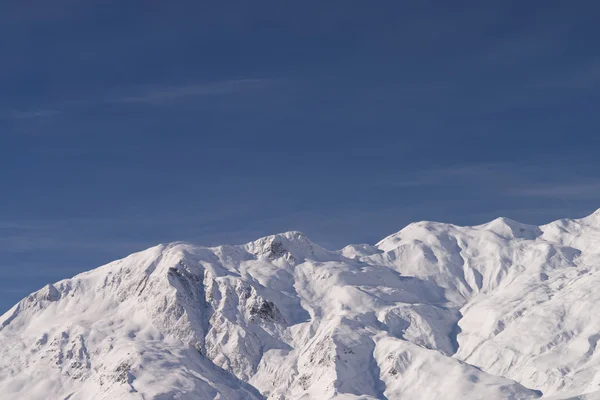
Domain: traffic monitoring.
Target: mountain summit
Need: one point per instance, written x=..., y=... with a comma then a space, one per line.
x=501, y=310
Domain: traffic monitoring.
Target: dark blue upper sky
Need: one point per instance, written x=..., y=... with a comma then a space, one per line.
x=126, y=124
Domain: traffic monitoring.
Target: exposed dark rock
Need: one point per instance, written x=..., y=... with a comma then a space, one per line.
x=266, y=310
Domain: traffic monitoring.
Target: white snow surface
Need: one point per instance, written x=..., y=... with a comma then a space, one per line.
x=502, y=310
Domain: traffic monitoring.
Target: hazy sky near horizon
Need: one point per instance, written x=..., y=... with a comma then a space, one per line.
x=126, y=124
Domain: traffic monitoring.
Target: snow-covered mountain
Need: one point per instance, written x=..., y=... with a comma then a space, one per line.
x=436, y=311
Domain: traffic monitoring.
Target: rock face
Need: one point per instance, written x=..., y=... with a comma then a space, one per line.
x=436, y=311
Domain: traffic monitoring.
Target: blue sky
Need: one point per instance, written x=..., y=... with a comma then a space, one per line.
x=126, y=124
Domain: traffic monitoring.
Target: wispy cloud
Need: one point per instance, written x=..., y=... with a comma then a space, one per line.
x=577, y=78
x=28, y=114
x=575, y=190
x=148, y=95
x=506, y=179
x=439, y=175
x=164, y=94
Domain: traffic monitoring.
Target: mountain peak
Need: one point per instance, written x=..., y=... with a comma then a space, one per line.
x=291, y=245
x=49, y=293
x=593, y=218
x=283, y=318
x=509, y=228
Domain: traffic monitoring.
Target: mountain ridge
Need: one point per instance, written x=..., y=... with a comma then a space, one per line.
x=283, y=318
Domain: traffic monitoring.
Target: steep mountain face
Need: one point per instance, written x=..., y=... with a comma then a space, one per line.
x=497, y=311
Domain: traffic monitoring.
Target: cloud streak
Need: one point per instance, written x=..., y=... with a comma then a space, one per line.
x=28, y=114
x=505, y=179
x=570, y=191
x=165, y=94
x=150, y=95
x=440, y=175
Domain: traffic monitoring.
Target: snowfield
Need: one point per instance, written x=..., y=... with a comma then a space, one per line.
x=436, y=311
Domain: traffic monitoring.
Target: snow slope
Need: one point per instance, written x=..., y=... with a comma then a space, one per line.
x=497, y=311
